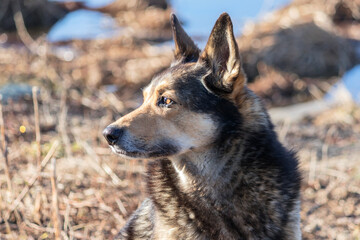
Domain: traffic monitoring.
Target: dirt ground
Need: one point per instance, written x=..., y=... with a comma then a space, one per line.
x=328, y=149
x=81, y=190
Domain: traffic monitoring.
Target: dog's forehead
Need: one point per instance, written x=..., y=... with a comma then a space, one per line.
x=156, y=83
x=173, y=76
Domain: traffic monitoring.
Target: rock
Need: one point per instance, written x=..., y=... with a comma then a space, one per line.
x=36, y=14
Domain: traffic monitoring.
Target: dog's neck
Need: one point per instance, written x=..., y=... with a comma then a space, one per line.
x=208, y=170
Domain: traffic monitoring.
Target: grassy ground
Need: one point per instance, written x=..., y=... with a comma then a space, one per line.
x=96, y=190
x=328, y=149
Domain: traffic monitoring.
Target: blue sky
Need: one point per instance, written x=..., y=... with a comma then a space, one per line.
x=200, y=15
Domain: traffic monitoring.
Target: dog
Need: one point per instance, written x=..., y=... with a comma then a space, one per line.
x=217, y=169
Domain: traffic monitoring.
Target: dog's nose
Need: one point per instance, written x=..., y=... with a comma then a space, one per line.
x=112, y=134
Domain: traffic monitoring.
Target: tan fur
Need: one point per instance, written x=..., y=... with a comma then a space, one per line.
x=151, y=123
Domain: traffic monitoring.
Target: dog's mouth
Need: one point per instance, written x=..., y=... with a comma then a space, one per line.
x=126, y=145
x=160, y=150
x=127, y=154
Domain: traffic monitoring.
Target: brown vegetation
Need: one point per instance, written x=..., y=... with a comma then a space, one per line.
x=299, y=51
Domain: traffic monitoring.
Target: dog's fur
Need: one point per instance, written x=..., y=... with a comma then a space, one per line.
x=218, y=170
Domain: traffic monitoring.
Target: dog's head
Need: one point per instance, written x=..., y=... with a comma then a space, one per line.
x=189, y=106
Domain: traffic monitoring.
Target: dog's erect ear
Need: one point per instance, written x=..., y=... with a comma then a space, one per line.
x=185, y=48
x=221, y=55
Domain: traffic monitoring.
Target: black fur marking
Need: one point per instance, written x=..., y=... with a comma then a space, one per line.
x=266, y=154
x=163, y=148
x=197, y=98
x=185, y=48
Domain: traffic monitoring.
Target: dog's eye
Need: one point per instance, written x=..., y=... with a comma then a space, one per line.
x=165, y=102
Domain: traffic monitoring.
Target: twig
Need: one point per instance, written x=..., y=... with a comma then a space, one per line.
x=4, y=152
x=39, y=228
x=114, y=102
x=37, y=124
x=66, y=224
x=33, y=179
x=92, y=202
x=121, y=207
x=284, y=130
x=21, y=28
x=103, y=166
x=66, y=215
x=324, y=155
x=55, y=205
x=46, y=229
x=315, y=91
x=312, y=167
x=335, y=173
x=63, y=116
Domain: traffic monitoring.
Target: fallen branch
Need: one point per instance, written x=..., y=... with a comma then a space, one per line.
x=103, y=166
x=37, y=125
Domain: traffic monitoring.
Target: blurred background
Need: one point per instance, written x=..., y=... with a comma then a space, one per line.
x=69, y=68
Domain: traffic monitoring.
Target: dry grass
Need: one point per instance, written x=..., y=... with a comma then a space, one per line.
x=94, y=191
x=328, y=148
x=89, y=197
x=80, y=190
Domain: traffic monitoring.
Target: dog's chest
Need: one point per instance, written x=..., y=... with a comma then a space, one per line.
x=181, y=228
x=179, y=214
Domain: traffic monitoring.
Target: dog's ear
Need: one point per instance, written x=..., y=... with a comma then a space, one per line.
x=185, y=48
x=221, y=56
